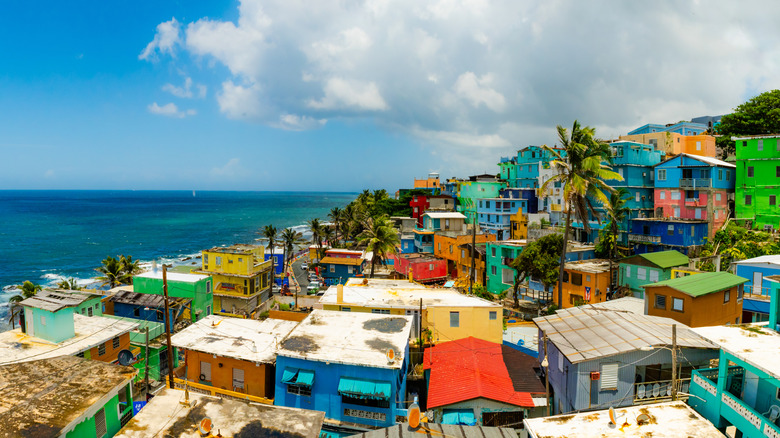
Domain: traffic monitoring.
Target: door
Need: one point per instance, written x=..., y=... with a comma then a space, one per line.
x=205, y=371
x=28, y=317
x=687, y=173
x=238, y=380
x=758, y=283
x=163, y=357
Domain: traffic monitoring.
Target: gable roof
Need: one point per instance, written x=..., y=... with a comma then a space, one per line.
x=660, y=259
x=702, y=284
x=773, y=259
x=708, y=160
x=474, y=368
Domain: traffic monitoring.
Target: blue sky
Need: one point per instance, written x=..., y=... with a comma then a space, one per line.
x=333, y=95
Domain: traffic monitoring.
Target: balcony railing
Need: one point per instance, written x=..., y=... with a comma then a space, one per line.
x=695, y=182
x=218, y=392
x=644, y=238
x=653, y=392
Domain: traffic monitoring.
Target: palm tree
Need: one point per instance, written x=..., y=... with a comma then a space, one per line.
x=112, y=273
x=381, y=238
x=129, y=266
x=582, y=173
x=290, y=238
x=68, y=284
x=316, y=229
x=617, y=211
x=270, y=233
x=336, y=216
x=28, y=289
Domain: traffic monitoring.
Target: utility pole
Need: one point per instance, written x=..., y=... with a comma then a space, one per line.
x=473, y=250
x=167, y=326
x=146, y=360
x=419, y=327
x=674, y=362
x=547, y=377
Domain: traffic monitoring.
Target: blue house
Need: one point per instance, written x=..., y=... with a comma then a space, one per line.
x=683, y=128
x=449, y=223
x=743, y=390
x=661, y=234
x=599, y=358
x=278, y=263
x=350, y=365
x=755, y=304
x=339, y=265
x=494, y=214
x=146, y=307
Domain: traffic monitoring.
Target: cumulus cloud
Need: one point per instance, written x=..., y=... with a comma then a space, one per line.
x=186, y=90
x=492, y=75
x=170, y=110
x=165, y=39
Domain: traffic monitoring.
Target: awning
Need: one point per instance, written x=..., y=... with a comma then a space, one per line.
x=364, y=389
x=295, y=376
x=464, y=417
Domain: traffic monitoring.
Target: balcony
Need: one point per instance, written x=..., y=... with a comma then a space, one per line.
x=695, y=182
x=644, y=238
x=660, y=391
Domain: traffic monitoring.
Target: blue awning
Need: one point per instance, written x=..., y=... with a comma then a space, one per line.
x=756, y=306
x=464, y=417
x=364, y=389
x=295, y=376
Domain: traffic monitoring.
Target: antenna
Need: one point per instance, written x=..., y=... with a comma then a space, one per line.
x=390, y=355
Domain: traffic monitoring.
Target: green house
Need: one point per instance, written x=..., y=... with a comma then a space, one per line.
x=195, y=287
x=91, y=303
x=66, y=396
x=500, y=274
x=636, y=271
x=758, y=179
x=158, y=350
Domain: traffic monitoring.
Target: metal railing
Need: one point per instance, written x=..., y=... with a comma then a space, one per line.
x=224, y=393
x=695, y=182
x=644, y=238
x=651, y=392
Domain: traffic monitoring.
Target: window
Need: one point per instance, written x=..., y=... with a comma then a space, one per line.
x=438, y=246
x=727, y=174
x=726, y=296
x=493, y=251
x=493, y=315
x=641, y=273
x=777, y=168
x=101, y=349
x=720, y=173
x=380, y=311
x=653, y=276
x=454, y=319
x=430, y=266
x=487, y=204
x=230, y=261
x=160, y=316
x=450, y=249
x=365, y=402
x=609, y=376
x=662, y=195
x=660, y=302
x=587, y=279
x=717, y=197
x=576, y=279
x=89, y=311
x=299, y=390
x=628, y=271
x=136, y=312
x=670, y=230
x=446, y=223
x=748, y=200
x=492, y=270
x=463, y=253
x=637, y=196
x=115, y=343
x=100, y=423
x=331, y=268
x=677, y=304
x=238, y=378
x=508, y=276
x=761, y=145
x=698, y=145
x=350, y=269
x=560, y=361
x=772, y=199
x=675, y=195
x=218, y=260
x=661, y=175
x=240, y=260
x=750, y=171
x=345, y=309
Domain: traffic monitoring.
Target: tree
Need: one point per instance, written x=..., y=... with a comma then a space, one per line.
x=316, y=229
x=336, y=216
x=759, y=115
x=129, y=266
x=582, y=174
x=270, y=233
x=381, y=239
x=290, y=238
x=68, y=284
x=28, y=289
x=112, y=273
x=538, y=260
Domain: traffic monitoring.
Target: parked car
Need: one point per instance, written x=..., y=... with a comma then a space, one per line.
x=305, y=266
x=275, y=289
x=313, y=287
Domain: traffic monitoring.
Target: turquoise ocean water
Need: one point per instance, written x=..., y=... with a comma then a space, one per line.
x=48, y=235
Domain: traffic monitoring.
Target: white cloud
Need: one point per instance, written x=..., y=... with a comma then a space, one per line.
x=240, y=102
x=477, y=91
x=344, y=94
x=462, y=139
x=186, y=90
x=292, y=122
x=170, y=110
x=232, y=170
x=166, y=38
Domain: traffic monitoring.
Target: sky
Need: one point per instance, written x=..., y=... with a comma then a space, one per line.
x=346, y=95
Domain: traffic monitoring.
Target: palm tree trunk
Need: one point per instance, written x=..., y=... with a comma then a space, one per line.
x=273, y=277
x=373, y=263
x=563, y=257
x=514, y=291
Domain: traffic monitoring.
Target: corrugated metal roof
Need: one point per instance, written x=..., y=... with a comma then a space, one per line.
x=702, y=284
x=341, y=261
x=773, y=259
x=625, y=304
x=585, y=333
x=443, y=430
x=666, y=259
x=53, y=301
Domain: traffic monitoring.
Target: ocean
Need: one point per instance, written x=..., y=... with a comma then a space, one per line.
x=49, y=235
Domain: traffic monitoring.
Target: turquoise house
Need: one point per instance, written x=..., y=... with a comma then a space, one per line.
x=743, y=390
x=499, y=257
x=636, y=271
x=469, y=192
x=49, y=315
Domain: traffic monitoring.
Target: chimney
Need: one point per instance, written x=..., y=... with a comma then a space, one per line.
x=339, y=294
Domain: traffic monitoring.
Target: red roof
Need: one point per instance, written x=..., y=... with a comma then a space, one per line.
x=471, y=368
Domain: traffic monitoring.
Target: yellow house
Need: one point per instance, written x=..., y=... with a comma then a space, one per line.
x=519, y=224
x=448, y=314
x=241, y=278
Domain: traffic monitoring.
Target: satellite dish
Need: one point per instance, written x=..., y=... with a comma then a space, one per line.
x=612, y=416
x=125, y=357
x=414, y=416
x=205, y=426
x=390, y=355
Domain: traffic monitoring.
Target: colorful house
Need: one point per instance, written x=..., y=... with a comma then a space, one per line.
x=448, y=247
x=50, y=327
x=471, y=381
x=742, y=391
x=709, y=298
x=405, y=430
x=446, y=314
x=405, y=227
x=682, y=128
x=477, y=187
x=758, y=177
x=91, y=303
x=352, y=366
x=662, y=234
x=420, y=267
x=233, y=357
x=499, y=256
x=147, y=307
x=419, y=204
x=158, y=351
x=598, y=358
x=675, y=144
x=65, y=396
x=338, y=265
x=278, y=262
x=694, y=187
x=195, y=288
x=755, y=304
x=242, y=279
x=536, y=291
x=479, y=265
x=431, y=182
x=494, y=214
x=636, y=271
x=584, y=282
x=440, y=223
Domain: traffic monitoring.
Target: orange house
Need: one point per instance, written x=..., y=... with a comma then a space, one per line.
x=701, y=300
x=675, y=144
x=233, y=355
x=446, y=247
x=480, y=262
x=584, y=282
x=108, y=351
